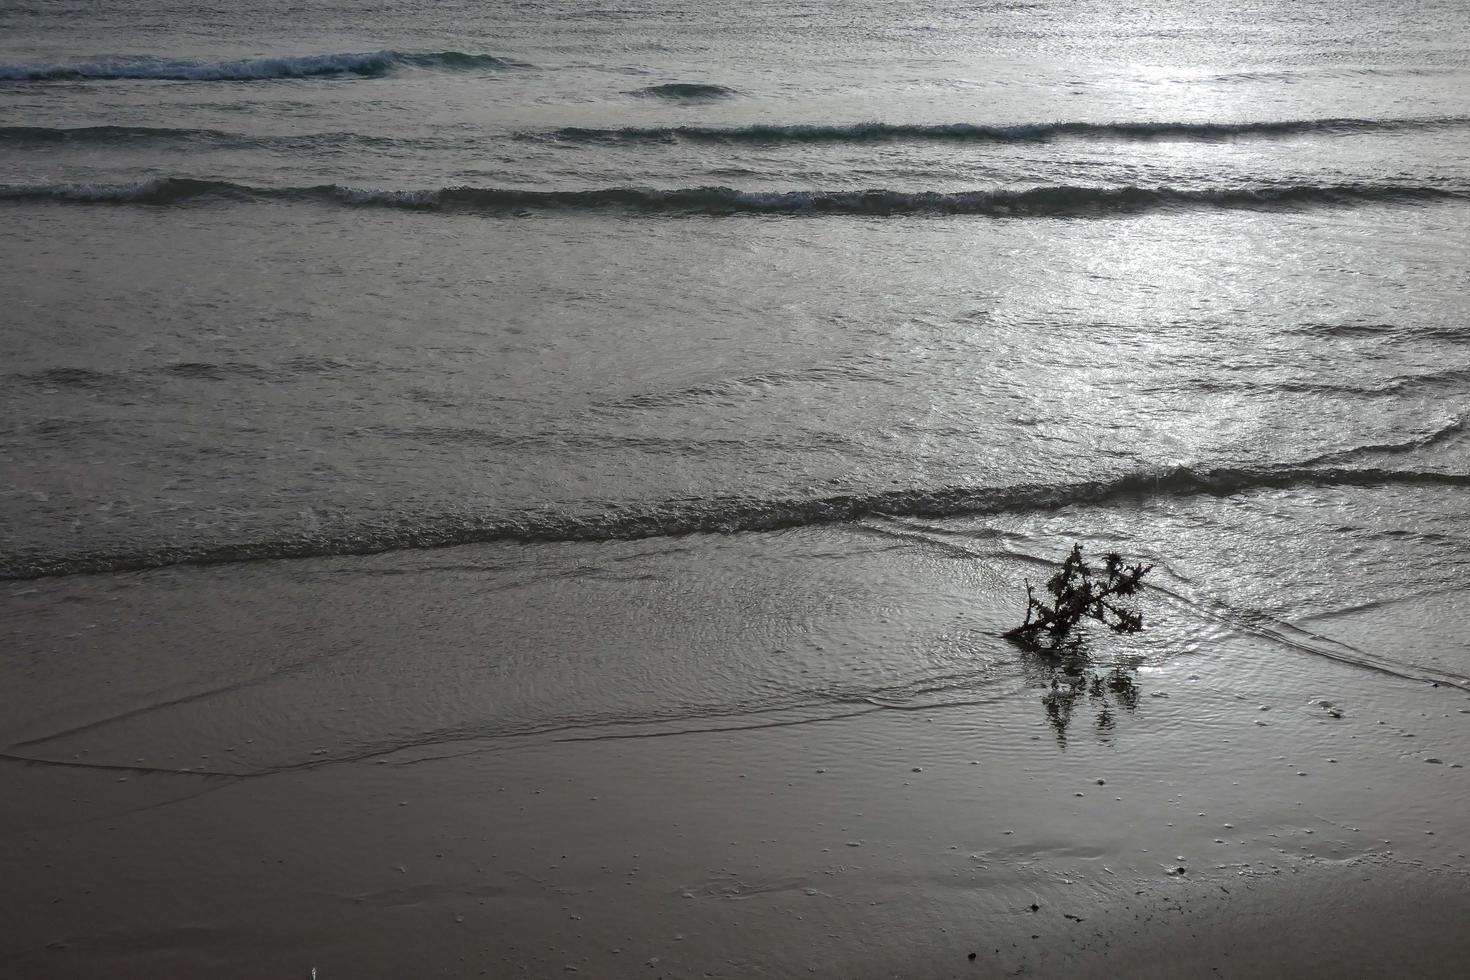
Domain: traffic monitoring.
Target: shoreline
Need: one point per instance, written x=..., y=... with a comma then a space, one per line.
x=893, y=843
x=398, y=767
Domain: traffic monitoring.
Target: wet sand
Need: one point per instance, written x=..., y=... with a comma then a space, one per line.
x=1226, y=823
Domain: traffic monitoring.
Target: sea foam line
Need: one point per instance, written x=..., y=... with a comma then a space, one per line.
x=1048, y=201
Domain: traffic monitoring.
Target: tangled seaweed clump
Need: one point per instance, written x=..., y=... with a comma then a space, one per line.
x=1078, y=594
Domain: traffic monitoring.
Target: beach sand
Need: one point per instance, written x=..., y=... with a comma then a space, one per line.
x=1226, y=823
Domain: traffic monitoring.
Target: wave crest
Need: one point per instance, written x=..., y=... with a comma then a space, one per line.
x=361, y=64
x=876, y=132
x=109, y=136
x=726, y=515
x=1050, y=201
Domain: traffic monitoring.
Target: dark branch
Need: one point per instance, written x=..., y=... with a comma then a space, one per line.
x=1077, y=594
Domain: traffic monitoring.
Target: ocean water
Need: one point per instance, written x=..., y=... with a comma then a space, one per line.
x=736, y=292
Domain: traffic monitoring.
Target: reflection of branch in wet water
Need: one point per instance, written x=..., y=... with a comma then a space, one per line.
x=1124, y=687
x=1072, y=679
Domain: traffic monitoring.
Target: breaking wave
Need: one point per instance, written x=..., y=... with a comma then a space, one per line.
x=367, y=64
x=876, y=132
x=726, y=515
x=1050, y=201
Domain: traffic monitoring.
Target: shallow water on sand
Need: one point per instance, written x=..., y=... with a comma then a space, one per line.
x=264, y=667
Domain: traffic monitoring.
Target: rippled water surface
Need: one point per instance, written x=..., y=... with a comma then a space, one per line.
x=341, y=279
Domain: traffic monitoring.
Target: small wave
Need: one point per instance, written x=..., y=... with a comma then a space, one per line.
x=733, y=389
x=209, y=371
x=1448, y=378
x=1348, y=329
x=318, y=364
x=1446, y=432
x=1394, y=385
x=88, y=378
x=1457, y=335
x=876, y=132
x=1215, y=384
x=1391, y=333
x=686, y=92
x=167, y=190
x=365, y=64
x=63, y=430
x=111, y=136
x=1053, y=201
x=1294, y=75
x=596, y=442
x=726, y=515
x=73, y=377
